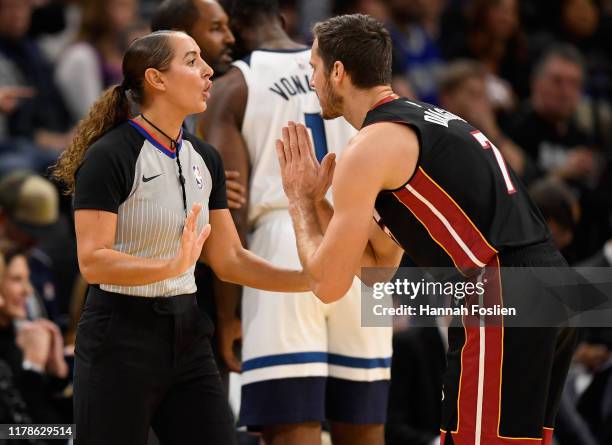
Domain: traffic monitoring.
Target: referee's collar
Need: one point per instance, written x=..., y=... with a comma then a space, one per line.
x=165, y=149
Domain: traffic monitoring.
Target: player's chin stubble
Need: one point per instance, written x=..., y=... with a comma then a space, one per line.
x=332, y=108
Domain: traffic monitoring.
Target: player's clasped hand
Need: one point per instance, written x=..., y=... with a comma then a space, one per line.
x=191, y=242
x=303, y=176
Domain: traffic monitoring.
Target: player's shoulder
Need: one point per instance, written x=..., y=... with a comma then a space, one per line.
x=373, y=144
x=377, y=150
x=384, y=134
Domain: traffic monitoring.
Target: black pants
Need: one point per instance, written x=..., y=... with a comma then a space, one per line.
x=142, y=362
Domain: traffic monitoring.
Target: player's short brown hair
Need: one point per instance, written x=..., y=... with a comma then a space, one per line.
x=361, y=43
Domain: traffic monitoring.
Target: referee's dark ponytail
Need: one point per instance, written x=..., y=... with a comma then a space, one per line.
x=113, y=107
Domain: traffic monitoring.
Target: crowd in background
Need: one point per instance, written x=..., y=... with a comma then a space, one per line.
x=534, y=76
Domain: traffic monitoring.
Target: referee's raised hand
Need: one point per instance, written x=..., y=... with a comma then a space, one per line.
x=191, y=242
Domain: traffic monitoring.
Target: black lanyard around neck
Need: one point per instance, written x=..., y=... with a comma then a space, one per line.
x=173, y=146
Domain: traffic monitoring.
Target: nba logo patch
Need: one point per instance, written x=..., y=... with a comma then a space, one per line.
x=198, y=177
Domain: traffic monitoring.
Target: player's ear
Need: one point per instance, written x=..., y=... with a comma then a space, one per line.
x=155, y=79
x=337, y=71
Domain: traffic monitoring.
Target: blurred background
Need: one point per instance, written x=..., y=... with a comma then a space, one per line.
x=534, y=75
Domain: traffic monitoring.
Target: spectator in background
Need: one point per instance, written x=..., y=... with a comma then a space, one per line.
x=28, y=209
x=559, y=207
x=428, y=14
x=55, y=25
x=18, y=153
x=580, y=23
x=15, y=288
x=416, y=56
x=93, y=62
x=548, y=132
x=29, y=218
x=376, y=8
x=32, y=349
x=494, y=37
x=10, y=97
x=571, y=427
x=587, y=396
x=462, y=91
x=546, y=129
x=595, y=403
x=12, y=406
x=2, y=267
x=579, y=20
x=594, y=357
x=42, y=119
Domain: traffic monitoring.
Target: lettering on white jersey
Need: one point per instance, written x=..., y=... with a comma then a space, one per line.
x=287, y=87
x=278, y=85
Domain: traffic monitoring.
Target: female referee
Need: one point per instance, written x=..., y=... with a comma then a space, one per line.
x=143, y=355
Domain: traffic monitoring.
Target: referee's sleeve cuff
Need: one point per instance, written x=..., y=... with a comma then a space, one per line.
x=100, y=207
x=217, y=206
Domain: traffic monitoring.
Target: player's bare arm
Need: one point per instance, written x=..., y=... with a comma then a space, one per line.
x=330, y=259
x=380, y=252
x=221, y=126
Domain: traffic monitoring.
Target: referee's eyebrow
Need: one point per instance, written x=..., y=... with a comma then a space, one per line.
x=190, y=53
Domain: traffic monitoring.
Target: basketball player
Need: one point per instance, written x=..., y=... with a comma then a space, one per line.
x=303, y=361
x=443, y=193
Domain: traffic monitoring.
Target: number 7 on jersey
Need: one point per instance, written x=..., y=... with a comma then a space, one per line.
x=486, y=144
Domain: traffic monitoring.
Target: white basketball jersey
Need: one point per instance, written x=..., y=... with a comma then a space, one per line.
x=279, y=91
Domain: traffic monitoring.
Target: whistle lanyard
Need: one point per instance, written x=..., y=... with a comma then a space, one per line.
x=173, y=146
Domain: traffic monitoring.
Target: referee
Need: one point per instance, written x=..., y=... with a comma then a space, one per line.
x=143, y=354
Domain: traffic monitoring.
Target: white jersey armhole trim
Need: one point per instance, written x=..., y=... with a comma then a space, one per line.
x=245, y=69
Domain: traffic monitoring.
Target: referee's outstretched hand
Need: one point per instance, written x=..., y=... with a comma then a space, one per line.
x=191, y=242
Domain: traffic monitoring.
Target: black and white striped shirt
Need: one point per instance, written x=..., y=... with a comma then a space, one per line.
x=131, y=173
